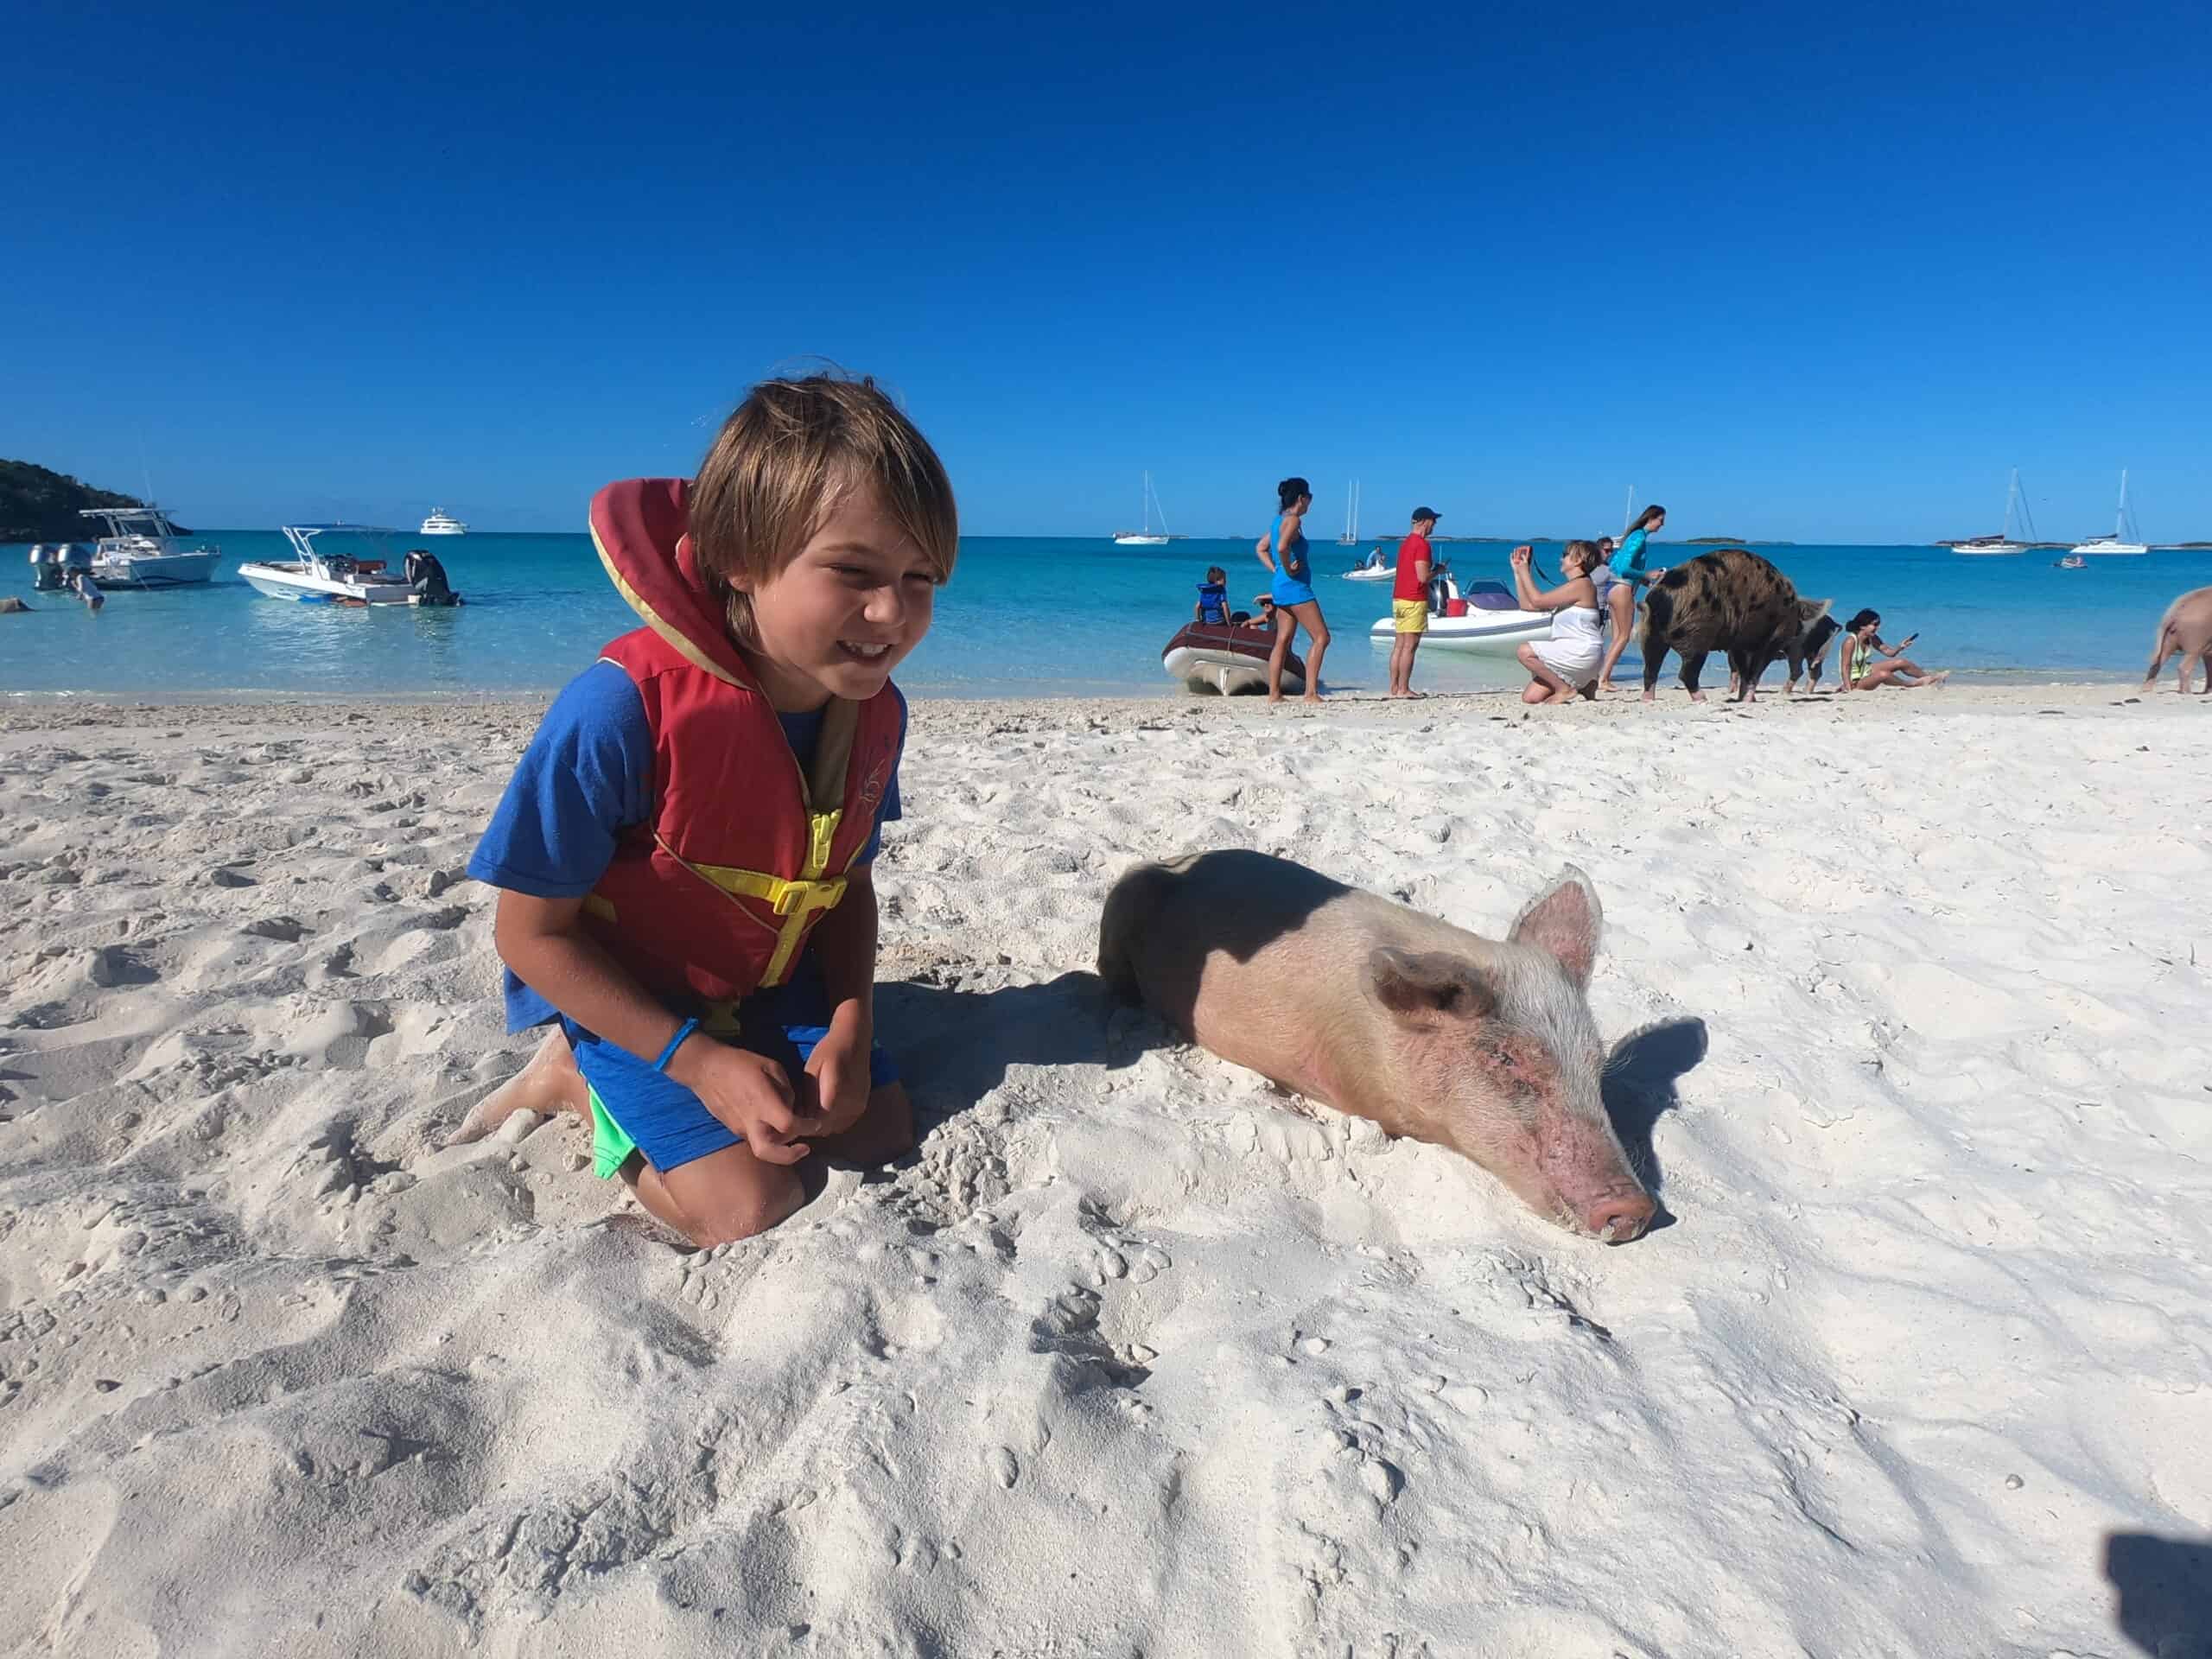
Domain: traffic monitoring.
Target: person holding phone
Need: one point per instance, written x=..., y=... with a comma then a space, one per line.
x=1567, y=664
x=1862, y=642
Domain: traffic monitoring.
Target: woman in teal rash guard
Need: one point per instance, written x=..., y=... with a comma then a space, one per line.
x=1629, y=574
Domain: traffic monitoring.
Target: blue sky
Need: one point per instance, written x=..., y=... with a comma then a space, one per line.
x=1824, y=274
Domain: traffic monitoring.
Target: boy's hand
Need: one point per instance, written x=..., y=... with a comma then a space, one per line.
x=748, y=1092
x=838, y=1067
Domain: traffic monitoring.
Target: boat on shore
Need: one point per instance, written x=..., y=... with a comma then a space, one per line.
x=337, y=574
x=2124, y=539
x=441, y=523
x=144, y=549
x=1485, y=618
x=1228, y=659
x=1147, y=537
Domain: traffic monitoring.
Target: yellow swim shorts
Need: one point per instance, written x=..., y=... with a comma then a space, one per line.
x=1409, y=615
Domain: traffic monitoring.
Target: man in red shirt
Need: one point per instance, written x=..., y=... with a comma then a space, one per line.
x=1409, y=602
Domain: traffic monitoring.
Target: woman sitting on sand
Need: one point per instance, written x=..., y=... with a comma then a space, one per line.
x=1861, y=640
x=1567, y=661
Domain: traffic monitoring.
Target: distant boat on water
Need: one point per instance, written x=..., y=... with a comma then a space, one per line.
x=2016, y=509
x=1350, y=537
x=441, y=523
x=1147, y=537
x=2124, y=537
x=144, y=549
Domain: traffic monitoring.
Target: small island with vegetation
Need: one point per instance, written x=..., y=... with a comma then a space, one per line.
x=40, y=504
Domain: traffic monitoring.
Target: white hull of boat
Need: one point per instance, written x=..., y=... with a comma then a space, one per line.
x=153, y=570
x=1498, y=634
x=289, y=581
x=1384, y=574
x=2111, y=548
x=1993, y=551
x=442, y=529
x=1139, y=540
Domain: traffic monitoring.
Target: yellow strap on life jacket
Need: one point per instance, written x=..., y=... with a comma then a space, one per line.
x=799, y=901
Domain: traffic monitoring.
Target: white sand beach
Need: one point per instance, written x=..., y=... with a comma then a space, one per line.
x=1133, y=1356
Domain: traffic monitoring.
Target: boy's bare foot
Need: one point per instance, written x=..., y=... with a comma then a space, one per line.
x=548, y=1083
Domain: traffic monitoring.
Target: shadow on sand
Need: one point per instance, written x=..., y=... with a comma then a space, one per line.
x=1639, y=1089
x=2165, y=1592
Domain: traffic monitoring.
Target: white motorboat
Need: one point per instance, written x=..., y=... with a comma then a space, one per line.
x=1379, y=567
x=441, y=523
x=1208, y=657
x=339, y=573
x=1492, y=621
x=2016, y=506
x=143, y=549
x=1147, y=537
x=2123, y=539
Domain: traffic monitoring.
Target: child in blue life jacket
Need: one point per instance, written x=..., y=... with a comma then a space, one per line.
x=1213, y=598
x=684, y=853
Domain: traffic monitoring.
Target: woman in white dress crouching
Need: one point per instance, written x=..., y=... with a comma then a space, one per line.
x=1567, y=661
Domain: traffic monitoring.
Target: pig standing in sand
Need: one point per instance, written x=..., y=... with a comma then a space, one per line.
x=1731, y=600
x=1483, y=1046
x=2186, y=627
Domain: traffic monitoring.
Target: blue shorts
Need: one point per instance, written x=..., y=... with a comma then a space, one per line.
x=670, y=1124
x=1287, y=590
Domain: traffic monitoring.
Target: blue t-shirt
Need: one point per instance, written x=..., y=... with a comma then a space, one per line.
x=586, y=778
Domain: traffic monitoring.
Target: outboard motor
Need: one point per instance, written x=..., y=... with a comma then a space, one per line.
x=53, y=563
x=428, y=578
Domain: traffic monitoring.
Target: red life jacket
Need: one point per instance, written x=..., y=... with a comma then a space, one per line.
x=713, y=897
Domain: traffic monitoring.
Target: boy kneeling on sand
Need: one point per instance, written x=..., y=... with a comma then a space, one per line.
x=684, y=851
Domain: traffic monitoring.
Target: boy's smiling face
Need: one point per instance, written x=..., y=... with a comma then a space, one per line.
x=850, y=606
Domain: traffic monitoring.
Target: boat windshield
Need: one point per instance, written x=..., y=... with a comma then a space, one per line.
x=356, y=544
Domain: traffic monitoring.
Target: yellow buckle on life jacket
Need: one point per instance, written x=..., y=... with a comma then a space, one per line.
x=799, y=900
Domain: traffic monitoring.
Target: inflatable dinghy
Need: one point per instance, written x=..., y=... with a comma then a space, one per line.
x=1209, y=656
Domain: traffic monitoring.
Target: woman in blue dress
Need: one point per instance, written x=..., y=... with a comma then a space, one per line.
x=1626, y=570
x=1283, y=551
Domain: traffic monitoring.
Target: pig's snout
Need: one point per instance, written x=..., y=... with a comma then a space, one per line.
x=1619, y=1216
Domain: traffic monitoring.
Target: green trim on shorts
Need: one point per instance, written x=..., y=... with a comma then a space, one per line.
x=611, y=1145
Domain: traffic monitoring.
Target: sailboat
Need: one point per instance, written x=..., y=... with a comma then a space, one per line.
x=1353, y=515
x=2122, y=539
x=1147, y=537
x=2016, y=505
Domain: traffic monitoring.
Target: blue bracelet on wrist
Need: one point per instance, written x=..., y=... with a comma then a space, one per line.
x=675, y=1043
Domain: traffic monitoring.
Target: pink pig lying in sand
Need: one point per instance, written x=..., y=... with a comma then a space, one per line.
x=1483, y=1046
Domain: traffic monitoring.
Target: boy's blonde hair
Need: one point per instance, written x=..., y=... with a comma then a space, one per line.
x=781, y=462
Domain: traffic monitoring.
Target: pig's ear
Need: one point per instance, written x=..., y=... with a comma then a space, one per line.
x=1411, y=983
x=1564, y=921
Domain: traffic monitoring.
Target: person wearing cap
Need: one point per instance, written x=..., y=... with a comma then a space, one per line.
x=1409, y=601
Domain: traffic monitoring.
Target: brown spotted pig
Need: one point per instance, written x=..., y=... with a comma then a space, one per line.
x=1733, y=601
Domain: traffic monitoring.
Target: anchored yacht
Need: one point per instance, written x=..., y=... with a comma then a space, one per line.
x=143, y=549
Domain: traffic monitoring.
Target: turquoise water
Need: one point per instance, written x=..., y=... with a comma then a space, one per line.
x=1023, y=616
